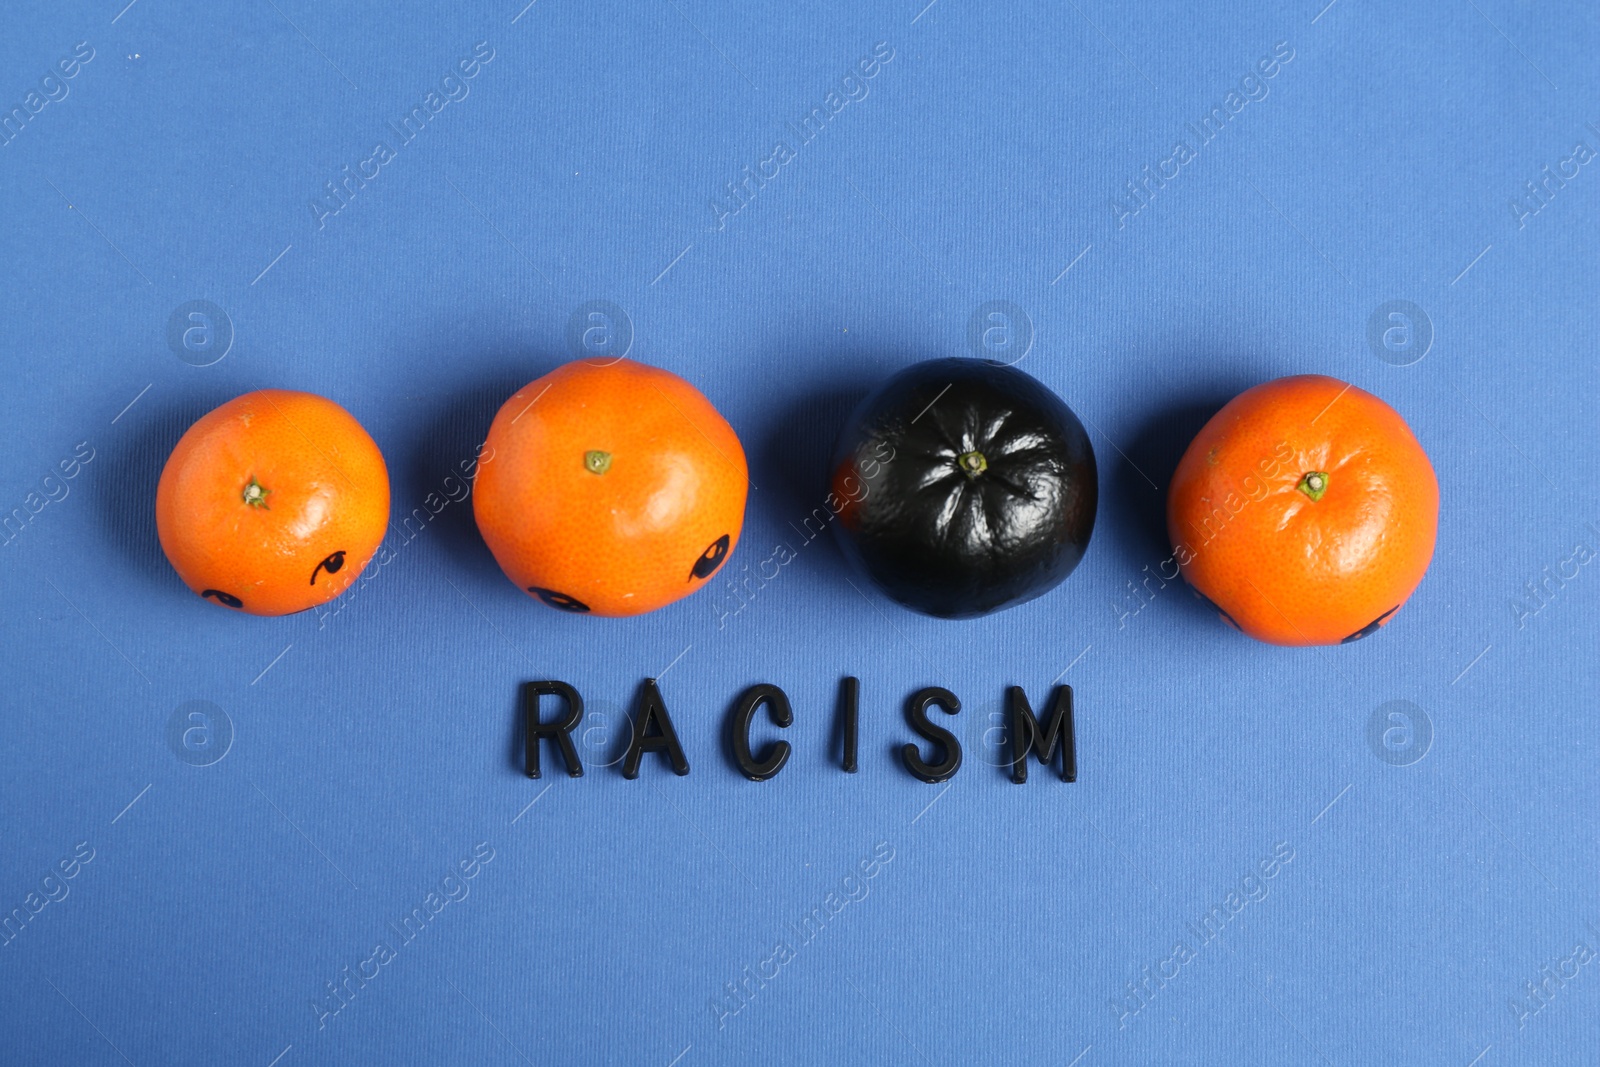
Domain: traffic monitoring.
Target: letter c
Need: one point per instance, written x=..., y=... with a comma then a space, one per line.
x=739, y=731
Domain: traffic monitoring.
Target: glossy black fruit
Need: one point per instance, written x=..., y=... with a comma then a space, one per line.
x=967, y=487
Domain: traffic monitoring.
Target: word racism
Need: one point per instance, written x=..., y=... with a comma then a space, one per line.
x=53, y=889
x=453, y=88
x=52, y=90
x=452, y=888
x=852, y=89
x=853, y=888
x=1251, y=88
x=653, y=731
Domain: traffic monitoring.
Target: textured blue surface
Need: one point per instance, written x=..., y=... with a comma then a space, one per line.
x=372, y=749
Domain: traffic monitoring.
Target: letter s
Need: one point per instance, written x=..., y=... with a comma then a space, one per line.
x=917, y=718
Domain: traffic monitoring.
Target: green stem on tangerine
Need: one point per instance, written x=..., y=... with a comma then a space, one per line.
x=972, y=464
x=255, y=494
x=1313, y=484
x=596, y=461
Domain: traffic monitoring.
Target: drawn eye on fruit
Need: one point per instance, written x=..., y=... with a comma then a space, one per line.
x=1372, y=627
x=250, y=498
x=1305, y=512
x=559, y=601
x=1223, y=615
x=606, y=477
x=331, y=565
x=710, y=559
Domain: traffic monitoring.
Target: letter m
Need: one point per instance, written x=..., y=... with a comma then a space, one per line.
x=1026, y=734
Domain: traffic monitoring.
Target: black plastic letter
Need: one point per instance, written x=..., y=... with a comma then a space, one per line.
x=739, y=731
x=917, y=719
x=1026, y=734
x=561, y=731
x=850, y=719
x=652, y=709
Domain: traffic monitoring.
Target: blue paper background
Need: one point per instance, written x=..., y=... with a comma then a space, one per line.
x=373, y=748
